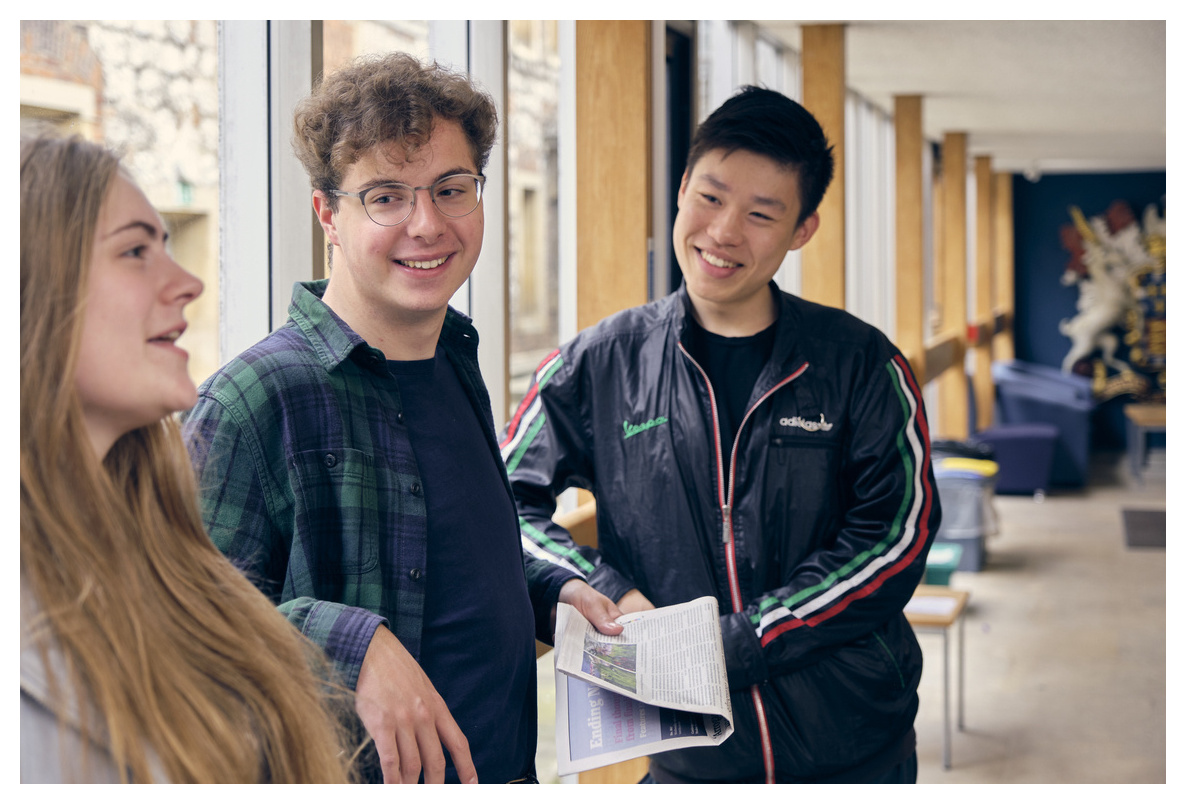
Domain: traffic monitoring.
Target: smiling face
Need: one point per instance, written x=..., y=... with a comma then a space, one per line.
x=130, y=370
x=392, y=284
x=737, y=220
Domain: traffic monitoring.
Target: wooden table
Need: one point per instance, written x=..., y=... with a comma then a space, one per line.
x=934, y=609
x=1142, y=420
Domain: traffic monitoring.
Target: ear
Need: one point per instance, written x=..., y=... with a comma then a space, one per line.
x=683, y=189
x=325, y=216
x=805, y=231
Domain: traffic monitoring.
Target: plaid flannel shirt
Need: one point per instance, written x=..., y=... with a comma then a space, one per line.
x=308, y=481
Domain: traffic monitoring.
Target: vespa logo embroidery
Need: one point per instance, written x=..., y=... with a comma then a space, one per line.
x=629, y=429
x=809, y=426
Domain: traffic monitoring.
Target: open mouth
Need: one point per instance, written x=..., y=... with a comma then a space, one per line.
x=168, y=337
x=717, y=261
x=423, y=265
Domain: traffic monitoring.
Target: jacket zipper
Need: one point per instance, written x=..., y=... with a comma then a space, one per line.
x=725, y=501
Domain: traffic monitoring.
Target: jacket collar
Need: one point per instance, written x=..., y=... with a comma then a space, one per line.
x=787, y=346
x=788, y=354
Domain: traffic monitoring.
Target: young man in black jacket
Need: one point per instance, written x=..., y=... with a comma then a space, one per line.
x=744, y=443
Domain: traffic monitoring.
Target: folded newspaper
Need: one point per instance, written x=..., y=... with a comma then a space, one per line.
x=659, y=685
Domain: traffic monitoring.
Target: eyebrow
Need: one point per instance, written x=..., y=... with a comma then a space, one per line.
x=758, y=199
x=379, y=182
x=149, y=229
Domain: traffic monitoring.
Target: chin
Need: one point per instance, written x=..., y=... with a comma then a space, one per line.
x=183, y=400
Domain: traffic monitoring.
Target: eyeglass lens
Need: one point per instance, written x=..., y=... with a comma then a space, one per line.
x=455, y=196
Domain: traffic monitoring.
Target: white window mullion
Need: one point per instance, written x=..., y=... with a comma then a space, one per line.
x=566, y=137
x=488, y=282
x=294, y=228
x=244, y=259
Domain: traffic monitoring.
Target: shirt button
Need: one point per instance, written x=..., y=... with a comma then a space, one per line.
x=331, y=460
x=415, y=574
x=416, y=489
x=399, y=417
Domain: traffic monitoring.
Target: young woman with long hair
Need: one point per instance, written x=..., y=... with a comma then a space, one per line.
x=145, y=656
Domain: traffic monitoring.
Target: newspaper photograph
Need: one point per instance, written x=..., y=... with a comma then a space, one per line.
x=659, y=685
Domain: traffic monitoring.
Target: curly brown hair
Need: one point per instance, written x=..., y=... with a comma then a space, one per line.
x=384, y=99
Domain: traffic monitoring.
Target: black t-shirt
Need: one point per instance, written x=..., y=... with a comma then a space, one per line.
x=478, y=647
x=733, y=366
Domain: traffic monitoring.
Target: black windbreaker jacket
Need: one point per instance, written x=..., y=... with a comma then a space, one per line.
x=811, y=530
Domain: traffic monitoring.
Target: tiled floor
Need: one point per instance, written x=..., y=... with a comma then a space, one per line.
x=1066, y=644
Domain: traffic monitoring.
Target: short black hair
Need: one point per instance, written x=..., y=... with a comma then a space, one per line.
x=770, y=124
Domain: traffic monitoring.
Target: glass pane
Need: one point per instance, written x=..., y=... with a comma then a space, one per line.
x=344, y=40
x=533, y=90
x=149, y=90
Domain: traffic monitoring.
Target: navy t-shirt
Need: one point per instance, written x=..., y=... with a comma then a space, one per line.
x=478, y=647
x=733, y=366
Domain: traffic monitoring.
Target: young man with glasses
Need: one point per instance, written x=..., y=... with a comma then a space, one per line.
x=747, y=444
x=348, y=464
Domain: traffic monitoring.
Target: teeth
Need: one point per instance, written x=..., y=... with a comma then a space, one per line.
x=422, y=265
x=169, y=336
x=718, y=262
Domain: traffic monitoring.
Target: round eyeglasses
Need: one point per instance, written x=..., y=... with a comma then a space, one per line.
x=456, y=196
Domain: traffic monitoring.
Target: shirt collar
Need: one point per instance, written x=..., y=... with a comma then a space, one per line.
x=334, y=341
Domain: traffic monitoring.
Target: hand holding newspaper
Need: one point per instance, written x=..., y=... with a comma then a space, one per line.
x=659, y=685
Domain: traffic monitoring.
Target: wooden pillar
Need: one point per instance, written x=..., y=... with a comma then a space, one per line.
x=908, y=181
x=824, y=95
x=1002, y=258
x=953, y=384
x=613, y=166
x=985, y=300
x=938, y=280
x=613, y=105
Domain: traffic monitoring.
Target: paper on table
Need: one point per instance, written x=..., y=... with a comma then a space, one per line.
x=931, y=604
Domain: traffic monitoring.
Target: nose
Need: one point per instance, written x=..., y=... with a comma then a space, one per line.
x=182, y=287
x=426, y=221
x=725, y=227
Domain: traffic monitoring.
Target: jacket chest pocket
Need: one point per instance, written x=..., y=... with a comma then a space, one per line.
x=336, y=511
x=801, y=492
x=799, y=453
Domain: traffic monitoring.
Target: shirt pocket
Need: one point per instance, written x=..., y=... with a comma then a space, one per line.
x=336, y=511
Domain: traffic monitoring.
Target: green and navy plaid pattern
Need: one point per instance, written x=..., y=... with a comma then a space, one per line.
x=308, y=481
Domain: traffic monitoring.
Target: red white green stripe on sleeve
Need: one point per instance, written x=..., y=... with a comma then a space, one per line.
x=521, y=432
x=537, y=544
x=529, y=418
x=906, y=537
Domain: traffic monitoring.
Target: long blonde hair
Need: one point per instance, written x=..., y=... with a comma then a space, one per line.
x=185, y=666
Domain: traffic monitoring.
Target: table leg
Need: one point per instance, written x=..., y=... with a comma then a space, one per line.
x=946, y=705
x=960, y=722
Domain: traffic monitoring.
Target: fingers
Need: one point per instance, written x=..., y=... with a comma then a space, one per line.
x=430, y=758
x=593, y=606
x=406, y=751
x=386, y=745
x=633, y=601
x=458, y=747
x=406, y=717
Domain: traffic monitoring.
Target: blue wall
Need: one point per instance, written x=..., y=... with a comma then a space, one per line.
x=1040, y=209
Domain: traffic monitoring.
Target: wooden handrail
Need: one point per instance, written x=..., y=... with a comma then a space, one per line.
x=944, y=351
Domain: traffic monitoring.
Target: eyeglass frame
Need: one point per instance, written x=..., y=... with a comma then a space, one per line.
x=361, y=196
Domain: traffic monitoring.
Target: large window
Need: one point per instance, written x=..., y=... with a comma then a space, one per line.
x=148, y=90
x=533, y=93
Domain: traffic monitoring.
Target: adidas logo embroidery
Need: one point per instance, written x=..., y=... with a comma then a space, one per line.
x=809, y=426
